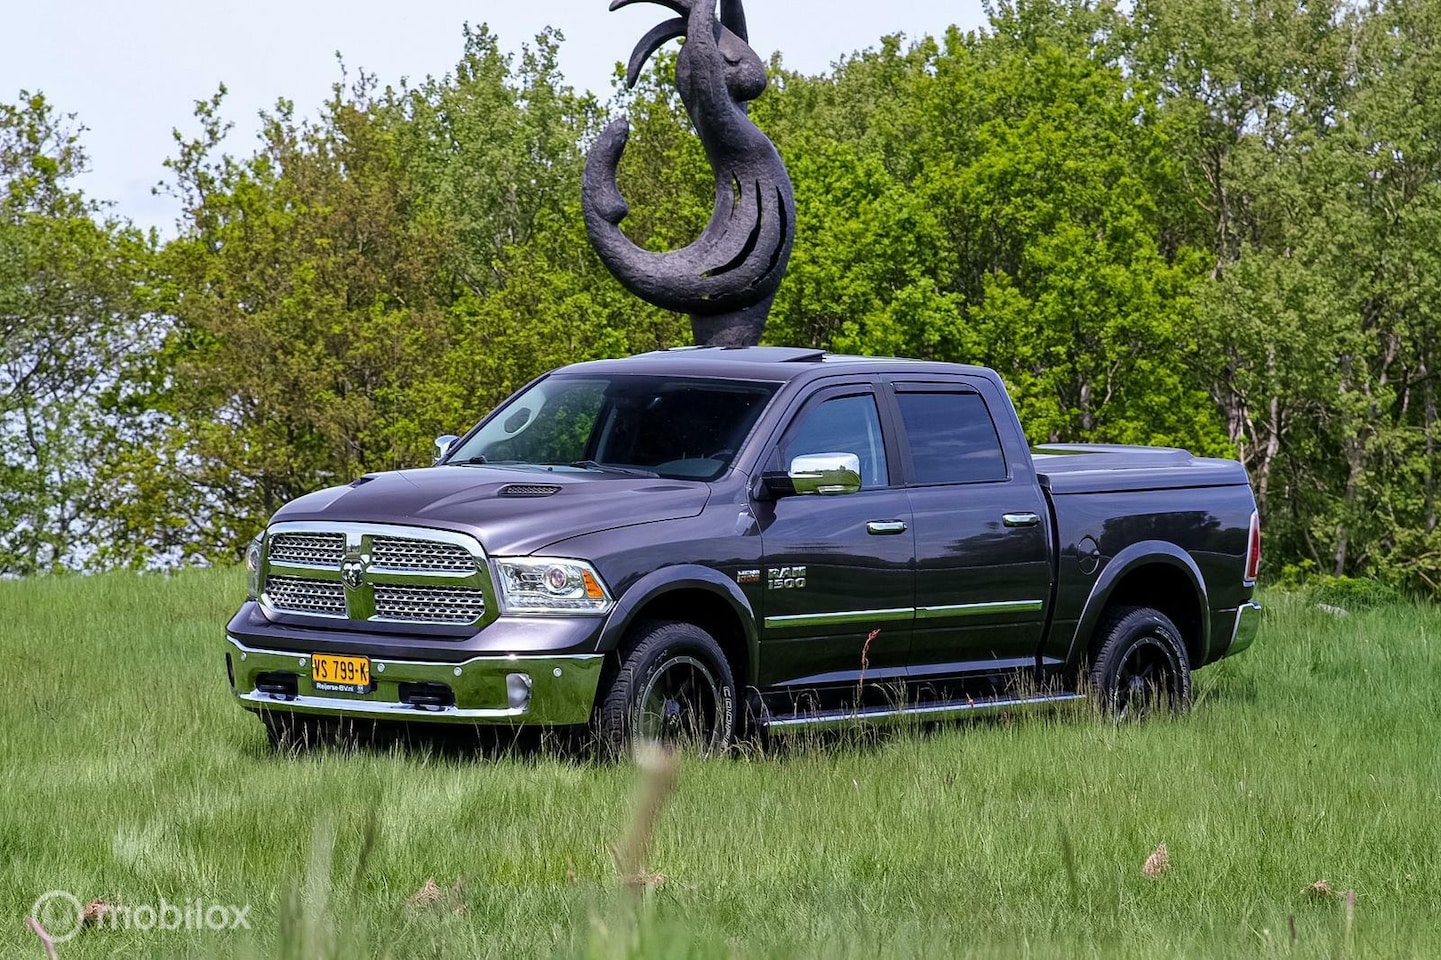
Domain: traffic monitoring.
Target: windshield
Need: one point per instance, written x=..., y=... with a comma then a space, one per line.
x=678, y=428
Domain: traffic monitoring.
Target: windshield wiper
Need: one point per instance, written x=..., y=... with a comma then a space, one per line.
x=479, y=461
x=607, y=468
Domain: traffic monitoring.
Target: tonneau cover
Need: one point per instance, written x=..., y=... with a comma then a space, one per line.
x=1066, y=468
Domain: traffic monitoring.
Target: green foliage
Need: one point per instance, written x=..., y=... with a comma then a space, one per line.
x=1172, y=223
x=374, y=278
x=1351, y=593
x=74, y=326
x=1001, y=204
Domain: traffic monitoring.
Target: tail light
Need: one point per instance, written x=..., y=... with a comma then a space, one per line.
x=1253, y=549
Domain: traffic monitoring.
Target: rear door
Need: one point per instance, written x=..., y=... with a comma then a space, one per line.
x=983, y=566
x=837, y=568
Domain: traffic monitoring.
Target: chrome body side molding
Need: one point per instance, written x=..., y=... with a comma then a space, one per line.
x=892, y=614
x=979, y=609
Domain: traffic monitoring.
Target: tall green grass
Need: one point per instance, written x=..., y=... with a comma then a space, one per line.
x=130, y=776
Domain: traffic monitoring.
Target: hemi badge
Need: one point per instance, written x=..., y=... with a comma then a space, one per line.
x=748, y=576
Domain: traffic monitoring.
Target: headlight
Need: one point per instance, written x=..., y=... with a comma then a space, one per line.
x=546, y=586
x=252, y=568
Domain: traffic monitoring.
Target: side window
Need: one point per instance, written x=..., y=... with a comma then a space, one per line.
x=841, y=425
x=952, y=438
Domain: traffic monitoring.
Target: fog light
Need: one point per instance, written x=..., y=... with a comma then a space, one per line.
x=517, y=690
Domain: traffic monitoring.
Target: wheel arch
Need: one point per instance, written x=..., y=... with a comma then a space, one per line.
x=1156, y=574
x=694, y=594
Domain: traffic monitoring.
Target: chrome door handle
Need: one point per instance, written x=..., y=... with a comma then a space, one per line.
x=886, y=528
x=1021, y=519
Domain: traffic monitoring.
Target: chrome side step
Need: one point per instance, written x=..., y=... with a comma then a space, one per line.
x=924, y=713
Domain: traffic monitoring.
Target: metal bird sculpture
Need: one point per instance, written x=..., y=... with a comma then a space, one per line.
x=727, y=279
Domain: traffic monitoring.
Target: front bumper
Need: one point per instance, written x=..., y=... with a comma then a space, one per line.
x=1248, y=623
x=562, y=689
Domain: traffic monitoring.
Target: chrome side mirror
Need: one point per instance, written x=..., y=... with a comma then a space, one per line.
x=443, y=444
x=827, y=474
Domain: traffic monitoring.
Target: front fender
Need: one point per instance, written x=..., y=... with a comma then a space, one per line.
x=666, y=580
x=1129, y=559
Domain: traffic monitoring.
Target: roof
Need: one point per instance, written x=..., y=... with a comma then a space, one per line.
x=775, y=364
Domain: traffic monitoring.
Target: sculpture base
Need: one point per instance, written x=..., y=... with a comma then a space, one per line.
x=740, y=329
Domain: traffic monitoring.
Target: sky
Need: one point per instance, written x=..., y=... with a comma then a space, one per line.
x=131, y=70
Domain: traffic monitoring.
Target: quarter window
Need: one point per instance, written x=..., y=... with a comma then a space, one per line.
x=952, y=438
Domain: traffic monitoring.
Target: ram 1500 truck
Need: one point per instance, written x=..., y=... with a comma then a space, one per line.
x=690, y=542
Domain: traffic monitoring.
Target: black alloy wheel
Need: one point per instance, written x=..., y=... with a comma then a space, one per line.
x=673, y=685
x=680, y=704
x=1140, y=666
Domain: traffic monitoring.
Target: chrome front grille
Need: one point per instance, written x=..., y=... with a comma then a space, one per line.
x=371, y=572
x=325, y=598
x=311, y=549
x=419, y=556
x=428, y=604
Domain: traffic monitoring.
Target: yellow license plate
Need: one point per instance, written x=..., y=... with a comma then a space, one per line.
x=331, y=674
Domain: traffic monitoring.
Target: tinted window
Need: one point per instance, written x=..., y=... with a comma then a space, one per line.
x=841, y=425
x=952, y=438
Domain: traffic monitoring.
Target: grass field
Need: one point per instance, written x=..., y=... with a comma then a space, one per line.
x=130, y=776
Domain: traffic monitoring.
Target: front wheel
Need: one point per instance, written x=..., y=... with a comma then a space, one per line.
x=1141, y=666
x=675, y=686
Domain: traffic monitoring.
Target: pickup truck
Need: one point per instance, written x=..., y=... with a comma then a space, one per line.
x=697, y=543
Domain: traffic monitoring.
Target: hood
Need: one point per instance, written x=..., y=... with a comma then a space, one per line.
x=494, y=504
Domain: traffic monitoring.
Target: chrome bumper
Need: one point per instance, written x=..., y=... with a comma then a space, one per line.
x=561, y=690
x=1248, y=622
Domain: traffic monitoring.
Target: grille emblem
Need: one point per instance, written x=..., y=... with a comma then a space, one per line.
x=353, y=571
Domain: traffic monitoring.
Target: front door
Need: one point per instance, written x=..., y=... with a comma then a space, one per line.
x=838, y=572
x=983, y=571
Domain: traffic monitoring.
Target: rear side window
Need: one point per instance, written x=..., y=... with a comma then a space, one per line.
x=952, y=438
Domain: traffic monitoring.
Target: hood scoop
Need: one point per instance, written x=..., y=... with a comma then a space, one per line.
x=529, y=491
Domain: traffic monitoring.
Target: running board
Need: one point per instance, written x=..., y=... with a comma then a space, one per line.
x=921, y=712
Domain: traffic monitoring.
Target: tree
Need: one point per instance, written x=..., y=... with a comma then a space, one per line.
x=367, y=281
x=1004, y=199
x=73, y=319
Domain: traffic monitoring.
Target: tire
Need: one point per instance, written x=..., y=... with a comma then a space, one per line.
x=1140, y=664
x=673, y=684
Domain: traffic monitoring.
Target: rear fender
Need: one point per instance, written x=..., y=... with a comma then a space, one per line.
x=1128, y=560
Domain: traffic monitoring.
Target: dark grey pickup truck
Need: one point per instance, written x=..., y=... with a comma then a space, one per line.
x=690, y=543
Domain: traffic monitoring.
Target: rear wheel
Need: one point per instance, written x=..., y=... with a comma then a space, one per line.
x=674, y=685
x=1140, y=666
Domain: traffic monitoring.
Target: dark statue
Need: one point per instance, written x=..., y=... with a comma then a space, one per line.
x=727, y=279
